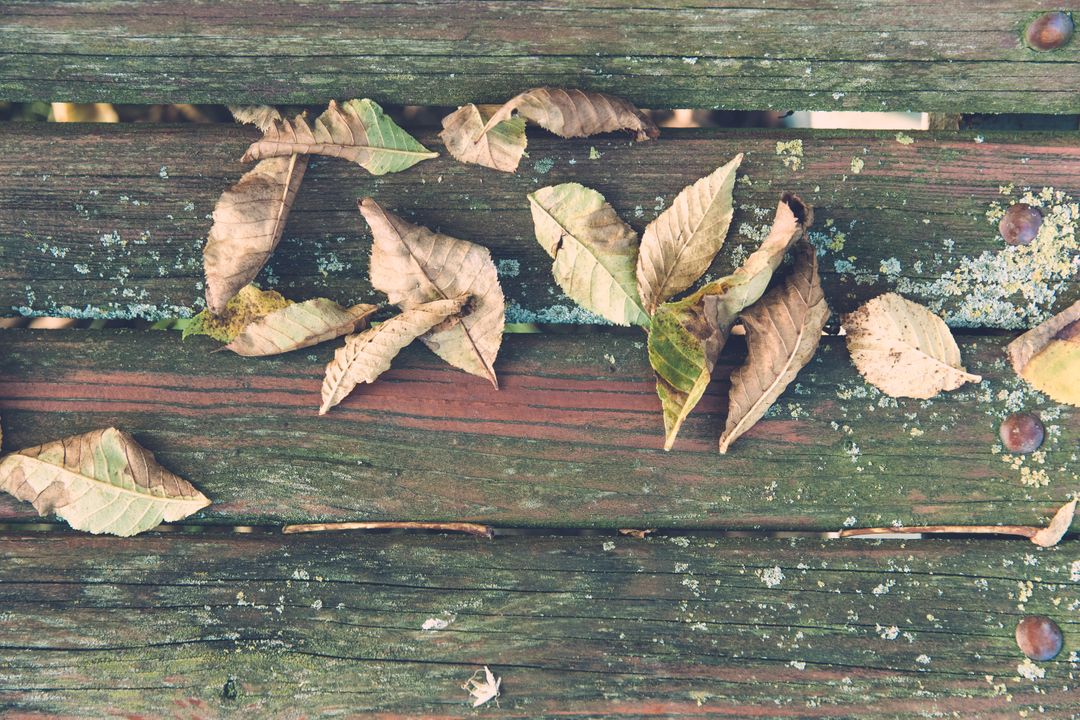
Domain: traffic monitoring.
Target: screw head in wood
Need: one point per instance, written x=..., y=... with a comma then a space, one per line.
x=1049, y=31
x=1020, y=224
x=1022, y=433
x=1039, y=637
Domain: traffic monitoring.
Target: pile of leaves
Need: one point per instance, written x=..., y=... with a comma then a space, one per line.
x=447, y=295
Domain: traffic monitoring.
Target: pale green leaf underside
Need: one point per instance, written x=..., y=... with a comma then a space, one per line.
x=109, y=484
x=594, y=252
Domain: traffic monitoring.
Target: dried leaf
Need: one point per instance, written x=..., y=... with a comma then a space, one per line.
x=501, y=148
x=366, y=356
x=261, y=116
x=903, y=349
x=300, y=325
x=102, y=481
x=249, y=219
x=1059, y=525
x=244, y=308
x=687, y=335
x=357, y=131
x=593, y=249
x=783, y=330
x=680, y=244
x=1048, y=356
x=574, y=113
x=414, y=265
x=482, y=690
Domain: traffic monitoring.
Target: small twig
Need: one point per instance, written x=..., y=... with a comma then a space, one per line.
x=463, y=527
x=1022, y=530
x=1044, y=537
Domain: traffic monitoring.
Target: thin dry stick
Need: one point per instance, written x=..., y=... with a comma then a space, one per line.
x=1022, y=530
x=463, y=527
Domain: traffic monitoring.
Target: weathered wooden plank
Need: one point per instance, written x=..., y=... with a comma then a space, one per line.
x=572, y=438
x=108, y=221
x=953, y=57
x=576, y=627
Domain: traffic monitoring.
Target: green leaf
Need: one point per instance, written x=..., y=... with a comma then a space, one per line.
x=595, y=252
x=102, y=482
x=358, y=131
x=245, y=307
x=686, y=336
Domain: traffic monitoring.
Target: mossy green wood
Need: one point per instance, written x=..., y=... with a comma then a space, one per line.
x=572, y=439
x=109, y=221
x=598, y=627
x=957, y=57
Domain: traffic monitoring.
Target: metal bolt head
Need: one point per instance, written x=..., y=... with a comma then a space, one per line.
x=1022, y=433
x=1039, y=637
x=1020, y=224
x=1049, y=31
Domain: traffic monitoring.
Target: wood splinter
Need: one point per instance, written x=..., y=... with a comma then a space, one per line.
x=463, y=527
x=1044, y=537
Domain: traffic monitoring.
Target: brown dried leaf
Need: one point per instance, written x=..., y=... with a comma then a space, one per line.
x=903, y=349
x=501, y=148
x=679, y=245
x=1048, y=356
x=357, y=130
x=300, y=325
x=261, y=116
x=249, y=219
x=102, y=481
x=783, y=330
x=414, y=265
x=573, y=113
x=366, y=356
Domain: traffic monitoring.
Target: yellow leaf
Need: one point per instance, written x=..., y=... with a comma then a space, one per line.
x=1048, y=356
x=594, y=251
x=903, y=349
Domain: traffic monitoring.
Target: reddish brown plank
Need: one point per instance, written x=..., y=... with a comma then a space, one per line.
x=572, y=438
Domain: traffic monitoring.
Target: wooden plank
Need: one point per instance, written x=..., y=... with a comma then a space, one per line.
x=572, y=438
x=110, y=221
x=597, y=627
x=838, y=55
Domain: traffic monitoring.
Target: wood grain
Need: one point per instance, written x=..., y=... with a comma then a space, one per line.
x=110, y=221
x=572, y=439
x=594, y=627
x=838, y=55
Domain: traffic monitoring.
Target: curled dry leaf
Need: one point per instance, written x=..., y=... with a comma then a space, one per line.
x=102, y=482
x=500, y=148
x=593, y=249
x=1048, y=356
x=483, y=687
x=414, y=265
x=686, y=336
x=247, y=306
x=366, y=356
x=679, y=245
x=357, y=131
x=903, y=349
x=573, y=113
x=249, y=219
x=261, y=116
x=1059, y=525
x=783, y=330
x=299, y=325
